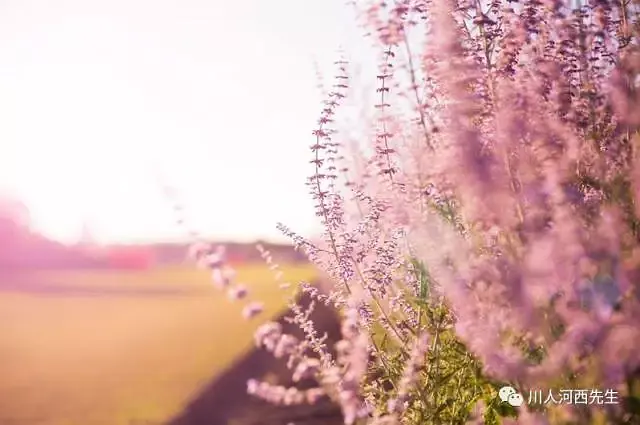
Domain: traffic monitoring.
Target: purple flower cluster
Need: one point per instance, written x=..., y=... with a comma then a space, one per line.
x=504, y=157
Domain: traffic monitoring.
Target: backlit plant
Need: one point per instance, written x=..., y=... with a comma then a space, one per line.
x=485, y=232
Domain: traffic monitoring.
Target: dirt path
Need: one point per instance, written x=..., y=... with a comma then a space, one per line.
x=225, y=401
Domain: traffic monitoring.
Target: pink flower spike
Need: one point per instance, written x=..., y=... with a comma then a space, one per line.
x=267, y=334
x=198, y=250
x=218, y=278
x=214, y=261
x=314, y=395
x=229, y=273
x=252, y=310
x=252, y=386
x=237, y=292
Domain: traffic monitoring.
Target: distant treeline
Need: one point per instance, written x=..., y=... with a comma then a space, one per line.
x=21, y=248
x=236, y=252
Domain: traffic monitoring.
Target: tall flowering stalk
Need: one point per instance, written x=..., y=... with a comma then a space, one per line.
x=492, y=234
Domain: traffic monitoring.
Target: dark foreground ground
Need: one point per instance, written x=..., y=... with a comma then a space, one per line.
x=225, y=401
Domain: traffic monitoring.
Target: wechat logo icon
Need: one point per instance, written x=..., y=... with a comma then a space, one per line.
x=509, y=395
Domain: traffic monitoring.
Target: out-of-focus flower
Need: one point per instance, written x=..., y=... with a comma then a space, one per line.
x=252, y=310
x=237, y=292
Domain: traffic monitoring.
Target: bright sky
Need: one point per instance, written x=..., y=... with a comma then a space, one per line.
x=97, y=96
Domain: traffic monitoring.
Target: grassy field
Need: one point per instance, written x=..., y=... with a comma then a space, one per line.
x=119, y=348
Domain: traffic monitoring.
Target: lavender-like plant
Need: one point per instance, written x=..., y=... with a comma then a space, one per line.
x=492, y=234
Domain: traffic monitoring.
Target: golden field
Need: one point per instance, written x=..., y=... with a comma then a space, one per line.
x=120, y=347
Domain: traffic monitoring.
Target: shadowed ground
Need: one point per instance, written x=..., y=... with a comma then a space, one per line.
x=225, y=402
